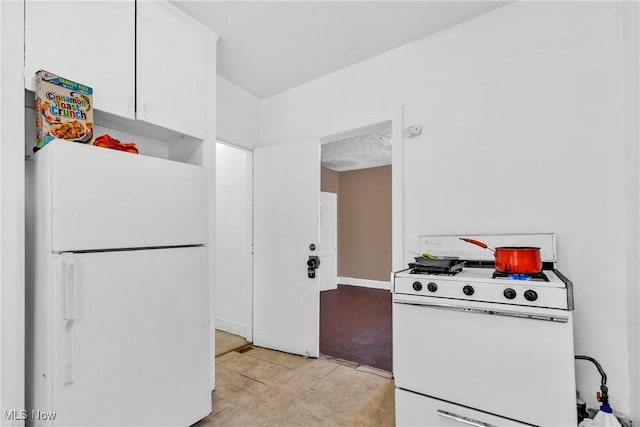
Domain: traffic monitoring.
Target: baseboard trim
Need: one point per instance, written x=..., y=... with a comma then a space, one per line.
x=367, y=283
x=235, y=328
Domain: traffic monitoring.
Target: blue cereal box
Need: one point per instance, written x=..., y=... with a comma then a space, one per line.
x=63, y=109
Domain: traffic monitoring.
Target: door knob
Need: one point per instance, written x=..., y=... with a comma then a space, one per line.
x=312, y=264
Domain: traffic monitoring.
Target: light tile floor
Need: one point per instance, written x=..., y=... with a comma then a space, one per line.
x=260, y=387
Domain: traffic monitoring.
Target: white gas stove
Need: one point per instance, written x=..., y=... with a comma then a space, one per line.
x=473, y=348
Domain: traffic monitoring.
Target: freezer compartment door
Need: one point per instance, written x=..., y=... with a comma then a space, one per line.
x=106, y=199
x=131, y=338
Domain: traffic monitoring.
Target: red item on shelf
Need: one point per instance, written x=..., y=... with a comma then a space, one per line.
x=106, y=141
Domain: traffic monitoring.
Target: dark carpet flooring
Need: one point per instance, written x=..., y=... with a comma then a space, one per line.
x=355, y=325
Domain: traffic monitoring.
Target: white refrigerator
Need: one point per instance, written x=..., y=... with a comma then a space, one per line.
x=118, y=328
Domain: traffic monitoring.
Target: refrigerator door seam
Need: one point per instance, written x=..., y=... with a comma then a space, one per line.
x=88, y=251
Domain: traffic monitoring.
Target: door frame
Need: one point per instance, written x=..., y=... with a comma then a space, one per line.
x=395, y=114
x=248, y=329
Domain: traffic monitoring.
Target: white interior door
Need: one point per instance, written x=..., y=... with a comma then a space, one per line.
x=286, y=223
x=328, y=271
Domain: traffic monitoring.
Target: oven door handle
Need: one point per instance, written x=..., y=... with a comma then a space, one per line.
x=507, y=313
x=463, y=419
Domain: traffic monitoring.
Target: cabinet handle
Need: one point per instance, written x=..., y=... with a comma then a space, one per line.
x=462, y=419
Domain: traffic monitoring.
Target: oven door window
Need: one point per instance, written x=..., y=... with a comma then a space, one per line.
x=487, y=356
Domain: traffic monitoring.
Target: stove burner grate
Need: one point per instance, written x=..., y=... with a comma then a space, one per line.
x=541, y=277
x=421, y=269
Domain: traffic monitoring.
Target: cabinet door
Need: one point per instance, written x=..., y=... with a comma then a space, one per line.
x=171, y=69
x=88, y=42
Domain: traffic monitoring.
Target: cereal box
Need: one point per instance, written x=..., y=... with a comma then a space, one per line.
x=63, y=109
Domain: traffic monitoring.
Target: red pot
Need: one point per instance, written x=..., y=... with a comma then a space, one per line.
x=514, y=259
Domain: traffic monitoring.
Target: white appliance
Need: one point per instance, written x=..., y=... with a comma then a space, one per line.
x=117, y=289
x=471, y=349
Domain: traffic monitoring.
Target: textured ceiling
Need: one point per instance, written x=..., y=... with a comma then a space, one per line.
x=359, y=149
x=267, y=47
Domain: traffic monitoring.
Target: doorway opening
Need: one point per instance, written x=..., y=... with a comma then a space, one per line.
x=356, y=243
x=234, y=235
x=286, y=216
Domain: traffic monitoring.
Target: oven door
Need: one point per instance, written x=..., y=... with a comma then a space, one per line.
x=513, y=361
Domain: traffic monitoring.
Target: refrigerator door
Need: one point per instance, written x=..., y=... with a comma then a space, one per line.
x=131, y=338
x=107, y=199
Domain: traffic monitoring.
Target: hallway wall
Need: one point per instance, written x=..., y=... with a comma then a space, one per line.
x=233, y=274
x=364, y=224
x=364, y=221
x=329, y=180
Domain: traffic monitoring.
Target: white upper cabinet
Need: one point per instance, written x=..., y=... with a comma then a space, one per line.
x=145, y=60
x=91, y=42
x=172, y=68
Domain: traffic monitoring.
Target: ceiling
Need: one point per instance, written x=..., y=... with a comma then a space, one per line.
x=367, y=147
x=267, y=47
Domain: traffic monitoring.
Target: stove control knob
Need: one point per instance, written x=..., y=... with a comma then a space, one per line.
x=432, y=287
x=468, y=290
x=417, y=286
x=530, y=295
x=509, y=293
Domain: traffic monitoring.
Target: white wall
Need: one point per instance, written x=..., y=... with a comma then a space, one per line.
x=12, y=200
x=233, y=241
x=631, y=71
x=522, y=112
x=238, y=115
